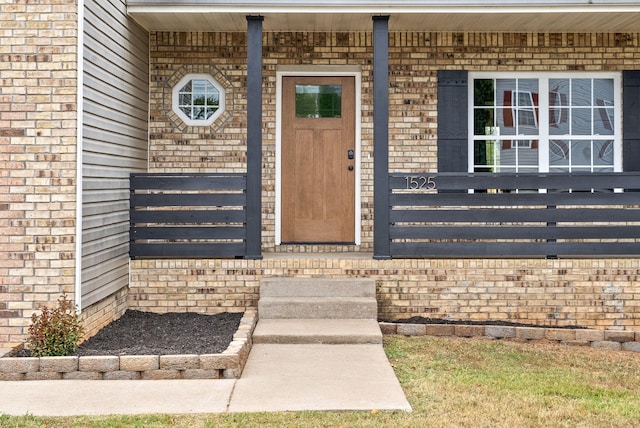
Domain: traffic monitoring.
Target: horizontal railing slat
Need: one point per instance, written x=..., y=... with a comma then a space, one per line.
x=188, y=216
x=188, y=200
x=512, y=199
x=515, y=232
x=511, y=249
x=182, y=182
x=180, y=250
x=183, y=233
x=515, y=215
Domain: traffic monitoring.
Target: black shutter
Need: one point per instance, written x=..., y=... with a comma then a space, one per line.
x=452, y=121
x=631, y=120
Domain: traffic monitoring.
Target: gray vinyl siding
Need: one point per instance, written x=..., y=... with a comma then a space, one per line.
x=115, y=118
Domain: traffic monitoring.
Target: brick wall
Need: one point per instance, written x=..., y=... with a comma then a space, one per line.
x=602, y=294
x=414, y=59
x=38, y=156
x=102, y=313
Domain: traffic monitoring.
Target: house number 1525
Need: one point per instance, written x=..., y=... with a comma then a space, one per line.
x=421, y=182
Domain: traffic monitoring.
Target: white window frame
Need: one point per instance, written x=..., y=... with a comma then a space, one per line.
x=175, y=99
x=544, y=113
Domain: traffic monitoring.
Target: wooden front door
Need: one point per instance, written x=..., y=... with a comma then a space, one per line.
x=318, y=160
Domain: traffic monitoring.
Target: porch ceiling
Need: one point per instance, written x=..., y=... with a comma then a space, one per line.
x=417, y=15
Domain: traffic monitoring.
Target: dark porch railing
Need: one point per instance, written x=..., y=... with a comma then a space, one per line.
x=436, y=215
x=188, y=215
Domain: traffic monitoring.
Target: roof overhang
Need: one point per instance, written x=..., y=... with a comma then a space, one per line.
x=405, y=15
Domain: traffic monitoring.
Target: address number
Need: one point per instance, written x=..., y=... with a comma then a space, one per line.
x=421, y=182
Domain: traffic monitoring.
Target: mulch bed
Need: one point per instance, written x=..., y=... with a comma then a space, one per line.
x=146, y=333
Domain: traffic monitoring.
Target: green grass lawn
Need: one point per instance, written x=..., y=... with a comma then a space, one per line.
x=454, y=382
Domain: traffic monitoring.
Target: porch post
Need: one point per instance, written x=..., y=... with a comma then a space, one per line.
x=254, y=137
x=381, y=244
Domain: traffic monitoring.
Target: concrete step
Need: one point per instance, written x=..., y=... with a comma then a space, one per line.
x=317, y=331
x=318, y=307
x=317, y=287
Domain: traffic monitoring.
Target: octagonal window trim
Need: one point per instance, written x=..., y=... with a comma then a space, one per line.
x=198, y=99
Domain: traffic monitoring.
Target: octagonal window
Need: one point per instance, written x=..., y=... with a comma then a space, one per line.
x=198, y=99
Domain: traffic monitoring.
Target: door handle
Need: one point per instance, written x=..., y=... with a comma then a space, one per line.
x=350, y=154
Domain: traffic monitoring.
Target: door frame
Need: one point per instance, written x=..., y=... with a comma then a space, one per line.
x=320, y=71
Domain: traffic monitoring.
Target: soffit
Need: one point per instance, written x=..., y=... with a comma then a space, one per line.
x=422, y=15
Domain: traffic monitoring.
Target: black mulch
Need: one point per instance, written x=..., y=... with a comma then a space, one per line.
x=146, y=333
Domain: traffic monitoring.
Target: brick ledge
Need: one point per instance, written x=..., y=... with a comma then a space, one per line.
x=607, y=339
x=226, y=365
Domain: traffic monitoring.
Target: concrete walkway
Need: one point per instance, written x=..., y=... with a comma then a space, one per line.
x=317, y=377
x=276, y=378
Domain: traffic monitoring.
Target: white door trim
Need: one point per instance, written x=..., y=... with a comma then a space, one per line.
x=311, y=70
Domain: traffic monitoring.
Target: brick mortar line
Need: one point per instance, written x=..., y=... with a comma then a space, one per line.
x=226, y=365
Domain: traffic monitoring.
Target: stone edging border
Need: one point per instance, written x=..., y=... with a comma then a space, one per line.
x=605, y=339
x=226, y=365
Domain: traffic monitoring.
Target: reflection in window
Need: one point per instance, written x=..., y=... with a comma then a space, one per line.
x=318, y=101
x=506, y=110
x=578, y=116
x=581, y=108
x=198, y=99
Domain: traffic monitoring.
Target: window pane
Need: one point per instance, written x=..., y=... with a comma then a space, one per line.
x=603, y=153
x=558, y=92
x=581, y=153
x=559, y=121
x=483, y=92
x=558, y=153
x=603, y=121
x=528, y=121
x=505, y=89
x=318, y=101
x=581, y=92
x=185, y=99
x=506, y=120
x=603, y=91
x=198, y=113
x=484, y=155
x=528, y=91
x=483, y=122
x=580, y=121
x=527, y=102
x=558, y=98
